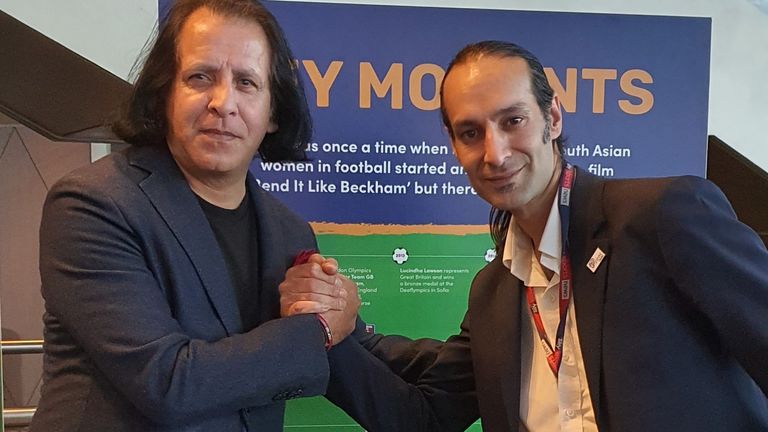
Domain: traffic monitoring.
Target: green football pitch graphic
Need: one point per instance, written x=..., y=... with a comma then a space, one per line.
x=424, y=295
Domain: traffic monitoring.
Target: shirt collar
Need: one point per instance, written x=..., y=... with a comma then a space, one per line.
x=518, y=250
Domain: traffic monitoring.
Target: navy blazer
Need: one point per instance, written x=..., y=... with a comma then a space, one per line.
x=142, y=328
x=673, y=324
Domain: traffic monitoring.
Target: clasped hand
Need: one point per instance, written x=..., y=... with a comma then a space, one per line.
x=318, y=287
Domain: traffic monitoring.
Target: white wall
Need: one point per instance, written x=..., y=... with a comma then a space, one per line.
x=112, y=32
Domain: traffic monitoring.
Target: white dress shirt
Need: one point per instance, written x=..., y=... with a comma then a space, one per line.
x=548, y=404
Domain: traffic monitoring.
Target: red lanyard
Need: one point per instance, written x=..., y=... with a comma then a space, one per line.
x=555, y=354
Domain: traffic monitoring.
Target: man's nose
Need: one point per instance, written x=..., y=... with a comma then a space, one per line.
x=495, y=146
x=222, y=99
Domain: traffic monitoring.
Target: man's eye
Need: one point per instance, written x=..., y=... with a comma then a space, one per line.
x=468, y=134
x=198, y=77
x=198, y=80
x=248, y=83
x=512, y=121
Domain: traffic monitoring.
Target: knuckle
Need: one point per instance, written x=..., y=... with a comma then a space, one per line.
x=316, y=270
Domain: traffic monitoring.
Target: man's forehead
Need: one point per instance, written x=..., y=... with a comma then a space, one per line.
x=208, y=38
x=202, y=22
x=504, y=81
x=197, y=22
x=490, y=68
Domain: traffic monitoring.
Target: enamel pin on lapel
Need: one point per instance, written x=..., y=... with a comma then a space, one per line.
x=596, y=259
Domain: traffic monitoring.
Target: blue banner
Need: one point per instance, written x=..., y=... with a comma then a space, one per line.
x=634, y=92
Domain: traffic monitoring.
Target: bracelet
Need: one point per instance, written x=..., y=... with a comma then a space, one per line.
x=326, y=331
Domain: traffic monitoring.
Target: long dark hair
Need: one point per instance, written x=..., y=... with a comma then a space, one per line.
x=144, y=119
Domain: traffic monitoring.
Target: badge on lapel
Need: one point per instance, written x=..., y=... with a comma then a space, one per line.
x=596, y=259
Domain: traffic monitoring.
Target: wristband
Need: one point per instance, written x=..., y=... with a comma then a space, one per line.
x=326, y=332
x=303, y=256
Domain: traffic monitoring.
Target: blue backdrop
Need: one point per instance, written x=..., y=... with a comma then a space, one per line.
x=636, y=86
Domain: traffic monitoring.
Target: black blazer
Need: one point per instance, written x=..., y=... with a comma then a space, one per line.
x=142, y=329
x=673, y=324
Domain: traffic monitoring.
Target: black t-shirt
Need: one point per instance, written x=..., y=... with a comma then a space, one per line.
x=237, y=234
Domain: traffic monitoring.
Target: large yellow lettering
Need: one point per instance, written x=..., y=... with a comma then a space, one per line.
x=566, y=94
x=628, y=87
x=393, y=81
x=322, y=82
x=598, y=76
x=415, y=90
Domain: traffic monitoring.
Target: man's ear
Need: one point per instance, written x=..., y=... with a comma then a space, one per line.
x=555, y=118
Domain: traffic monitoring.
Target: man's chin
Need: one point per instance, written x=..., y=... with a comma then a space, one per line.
x=502, y=204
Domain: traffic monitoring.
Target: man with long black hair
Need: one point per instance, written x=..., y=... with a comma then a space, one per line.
x=160, y=265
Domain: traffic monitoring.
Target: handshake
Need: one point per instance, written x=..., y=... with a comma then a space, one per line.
x=315, y=286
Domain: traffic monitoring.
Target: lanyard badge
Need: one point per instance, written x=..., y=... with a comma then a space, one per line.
x=555, y=353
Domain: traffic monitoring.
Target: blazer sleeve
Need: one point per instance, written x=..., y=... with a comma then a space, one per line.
x=721, y=265
x=394, y=384
x=96, y=282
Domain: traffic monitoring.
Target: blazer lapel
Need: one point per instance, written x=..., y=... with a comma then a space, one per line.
x=272, y=252
x=169, y=193
x=588, y=233
x=495, y=333
x=511, y=355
